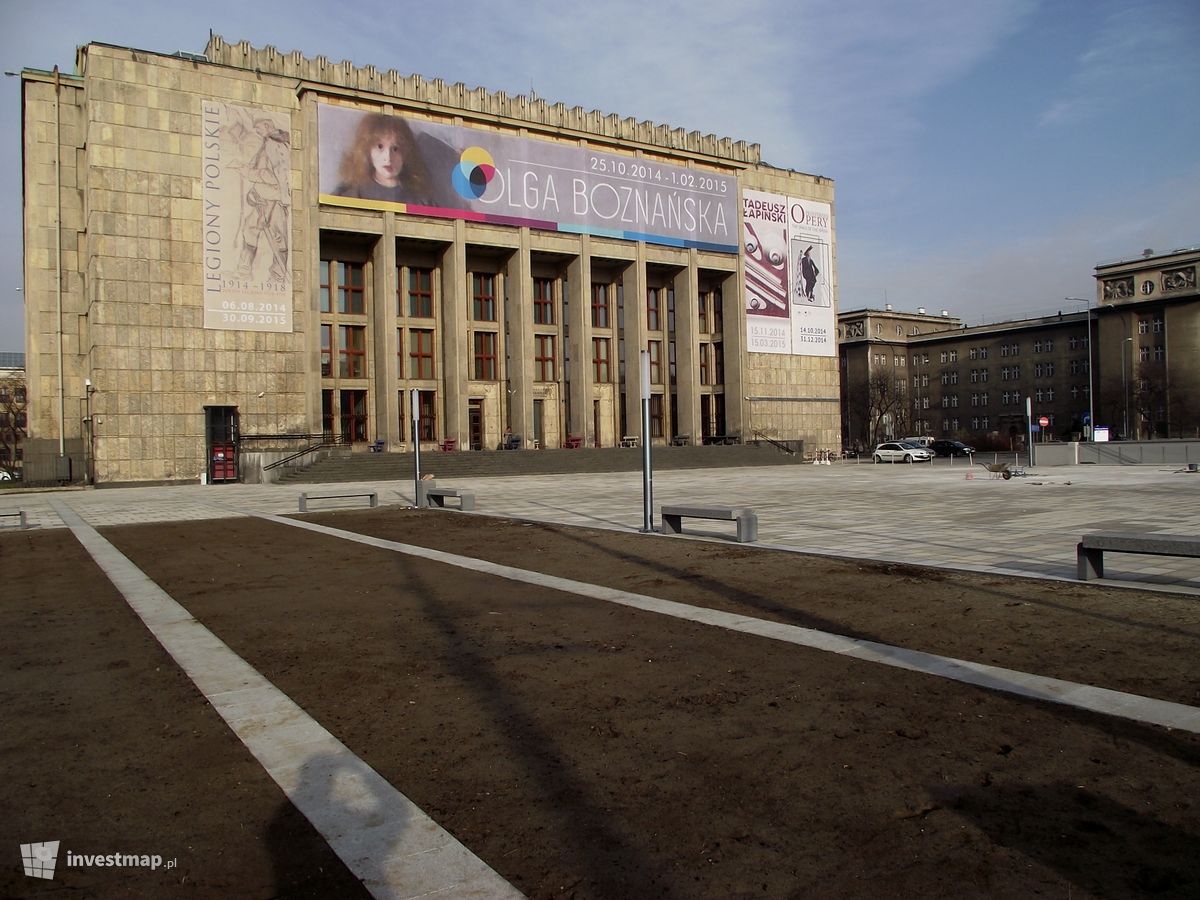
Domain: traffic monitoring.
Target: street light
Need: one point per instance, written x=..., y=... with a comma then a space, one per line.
x=1124, y=385
x=1091, y=430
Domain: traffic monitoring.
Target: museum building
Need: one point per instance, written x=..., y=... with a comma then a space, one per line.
x=231, y=255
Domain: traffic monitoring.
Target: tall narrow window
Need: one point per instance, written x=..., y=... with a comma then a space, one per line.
x=326, y=287
x=543, y=357
x=718, y=362
x=352, y=351
x=326, y=351
x=354, y=416
x=327, y=414
x=543, y=301
x=656, y=415
x=702, y=311
x=426, y=415
x=483, y=297
x=351, y=289
x=485, y=355
x=420, y=293
x=601, y=366
x=600, y=305
x=705, y=349
x=718, y=312
x=654, y=309
x=420, y=353
x=656, y=373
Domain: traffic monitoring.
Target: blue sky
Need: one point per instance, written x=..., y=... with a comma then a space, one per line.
x=987, y=153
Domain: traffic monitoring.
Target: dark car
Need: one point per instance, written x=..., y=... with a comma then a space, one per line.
x=951, y=448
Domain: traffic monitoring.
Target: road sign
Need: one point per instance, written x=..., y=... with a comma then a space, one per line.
x=1044, y=421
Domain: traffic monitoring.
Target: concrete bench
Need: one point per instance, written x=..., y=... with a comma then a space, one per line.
x=372, y=498
x=20, y=517
x=436, y=496
x=1089, y=553
x=747, y=521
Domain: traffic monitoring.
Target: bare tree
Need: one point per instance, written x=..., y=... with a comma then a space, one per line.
x=1148, y=409
x=888, y=414
x=12, y=420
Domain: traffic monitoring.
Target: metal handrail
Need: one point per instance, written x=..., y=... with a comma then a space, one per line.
x=328, y=440
x=770, y=440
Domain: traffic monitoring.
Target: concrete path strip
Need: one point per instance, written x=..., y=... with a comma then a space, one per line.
x=383, y=837
x=1053, y=690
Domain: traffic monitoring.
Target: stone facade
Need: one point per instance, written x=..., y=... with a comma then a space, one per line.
x=117, y=257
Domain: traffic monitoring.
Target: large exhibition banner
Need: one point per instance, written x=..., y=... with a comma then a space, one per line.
x=246, y=218
x=788, y=261
x=375, y=160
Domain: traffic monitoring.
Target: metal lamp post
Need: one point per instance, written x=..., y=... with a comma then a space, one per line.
x=1091, y=429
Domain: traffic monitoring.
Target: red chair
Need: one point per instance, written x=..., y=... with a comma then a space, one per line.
x=448, y=444
x=573, y=442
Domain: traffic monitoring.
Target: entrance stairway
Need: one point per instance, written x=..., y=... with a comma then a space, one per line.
x=365, y=466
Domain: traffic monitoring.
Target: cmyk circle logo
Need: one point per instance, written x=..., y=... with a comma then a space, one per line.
x=474, y=172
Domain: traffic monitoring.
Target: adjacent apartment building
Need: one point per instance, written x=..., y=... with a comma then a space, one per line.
x=248, y=249
x=1127, y=360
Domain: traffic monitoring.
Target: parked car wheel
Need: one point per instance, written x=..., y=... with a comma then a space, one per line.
x=908, y=457
x=878, y=458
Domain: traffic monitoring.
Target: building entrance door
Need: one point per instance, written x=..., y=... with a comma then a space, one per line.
x=475, y=424
x=221, y=442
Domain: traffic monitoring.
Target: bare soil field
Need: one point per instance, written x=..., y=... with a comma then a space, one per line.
x=589, y=750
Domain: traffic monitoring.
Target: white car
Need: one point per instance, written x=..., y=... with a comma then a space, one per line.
x=901, y=451
x=5, y=475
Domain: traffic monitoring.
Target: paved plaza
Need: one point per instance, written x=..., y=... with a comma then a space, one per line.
x=945, y=515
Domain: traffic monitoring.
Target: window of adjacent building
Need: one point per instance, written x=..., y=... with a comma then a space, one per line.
x=656, y=373
x=601, y=363
x=1158, y=325
x=601, y=311
x=718, y=362
x=899, y=331
x=352, y=351
x=953, y=356
x=420, y=353
x=543, y=303
x=1143, y=326
x=718, y=311
x=705, y=349
x=543, y=357
x=420, y=292
x=1143, y=354
x=485, y=355
x=944, y=356
x=654, y=309
x=702, y=312
x=1160, y=352
x=483, y=297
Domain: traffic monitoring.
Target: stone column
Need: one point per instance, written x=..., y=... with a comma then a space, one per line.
x=633, y=281
x=687, y=324
x=518, y=336
x=579, y=332
x=383, y=323
x=456, y=351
